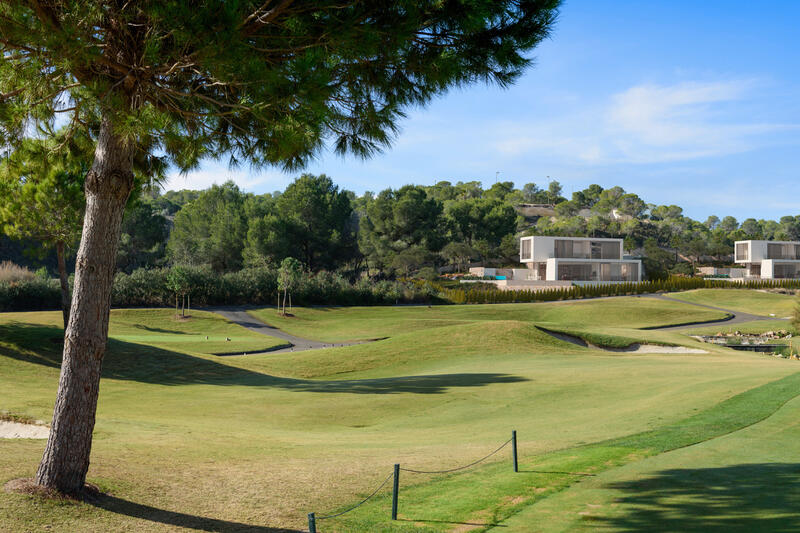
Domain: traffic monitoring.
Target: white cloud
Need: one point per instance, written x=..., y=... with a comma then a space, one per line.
x=213, y=173
x=650, y=124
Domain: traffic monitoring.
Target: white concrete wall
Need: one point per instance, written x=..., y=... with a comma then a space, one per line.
x=543, y=248
x=552, y=269
x=767, y=269
x=522, y=273
x=758, y=251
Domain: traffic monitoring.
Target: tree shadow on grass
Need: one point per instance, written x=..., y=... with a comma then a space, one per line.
x=172, y=518
x=39, y=344
x=163, y=330
x=744, y=497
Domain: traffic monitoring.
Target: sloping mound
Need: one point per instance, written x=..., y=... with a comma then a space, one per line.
x=405, y=351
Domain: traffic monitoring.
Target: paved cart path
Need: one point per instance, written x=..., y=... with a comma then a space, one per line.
x=737, y=317
x=239, y=315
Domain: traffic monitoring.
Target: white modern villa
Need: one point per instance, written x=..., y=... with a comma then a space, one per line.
x=769, y=259
x=577, y=259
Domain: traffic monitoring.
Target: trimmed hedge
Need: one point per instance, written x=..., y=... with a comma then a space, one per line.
x=258, y=286
x=30, y=295
x=673, y=284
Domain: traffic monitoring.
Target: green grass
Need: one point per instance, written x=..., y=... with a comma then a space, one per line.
x=335, y=324
x=746, y=480
x=746, y=301
x=758, y=326
x=518, y=494
x=200, y=332
x=187, y=439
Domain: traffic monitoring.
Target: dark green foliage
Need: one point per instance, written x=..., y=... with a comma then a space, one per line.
x=30, y=295
x=259, y=286
x=144, y=236
x=399, y=220
x=264, y=83
x=211, y=229
x=41, y=190
x=311, y=220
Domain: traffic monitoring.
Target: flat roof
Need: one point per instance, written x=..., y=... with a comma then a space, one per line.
x=616, y=239
x=768, y=242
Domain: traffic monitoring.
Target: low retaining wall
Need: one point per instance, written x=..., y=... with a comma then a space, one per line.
x=523, y=284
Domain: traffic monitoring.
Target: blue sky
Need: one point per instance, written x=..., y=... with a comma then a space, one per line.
x=691, y=103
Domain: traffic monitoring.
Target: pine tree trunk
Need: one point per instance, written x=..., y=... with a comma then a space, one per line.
x=62, y=275
x=108, y=184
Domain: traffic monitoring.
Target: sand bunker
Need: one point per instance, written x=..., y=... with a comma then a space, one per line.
x=655, y=348
x=17, y=430
x=633, y=348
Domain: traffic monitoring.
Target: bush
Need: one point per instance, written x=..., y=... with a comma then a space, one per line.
x=258, y=286
x=33, y=294
x=11, y=272
x=428, y=274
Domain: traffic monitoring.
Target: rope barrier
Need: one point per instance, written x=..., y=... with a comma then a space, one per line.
x=457, y=468
x=312, y=518
x=360, y=503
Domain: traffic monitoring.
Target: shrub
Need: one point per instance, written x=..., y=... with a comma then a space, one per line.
x=11, y=272
x=33, y=294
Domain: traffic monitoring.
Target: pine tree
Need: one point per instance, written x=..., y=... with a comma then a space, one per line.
x=258, y=83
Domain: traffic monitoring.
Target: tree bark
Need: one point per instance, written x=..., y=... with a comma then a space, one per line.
x=108, y=185
x=62, y=275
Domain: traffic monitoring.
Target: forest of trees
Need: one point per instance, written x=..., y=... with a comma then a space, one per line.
x=401, y=232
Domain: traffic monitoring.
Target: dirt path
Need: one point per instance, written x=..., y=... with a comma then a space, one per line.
x=239, y=315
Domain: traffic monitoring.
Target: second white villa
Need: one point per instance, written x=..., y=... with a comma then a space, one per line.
x=769, y=259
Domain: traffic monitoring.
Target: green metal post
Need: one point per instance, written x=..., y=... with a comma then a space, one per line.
x=395, y=491
x=312, y=523
x=514, y=449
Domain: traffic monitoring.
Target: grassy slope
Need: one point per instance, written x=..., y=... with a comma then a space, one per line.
x=537, y=495
x=201, y=441
x=159, y=327
x=743, y=481
x=746, y=301
x=334, y=324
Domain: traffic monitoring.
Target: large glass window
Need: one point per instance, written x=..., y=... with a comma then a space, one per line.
x=580, y=272
x=598, y=271
x=784, y=271
x=563, y=248
x=569, y=249
x=610, y=250
x=782, y=251
x=741, y=251
x=525, y=249
x=774, y=251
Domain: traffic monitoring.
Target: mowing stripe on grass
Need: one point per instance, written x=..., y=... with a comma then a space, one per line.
x=483, y=497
